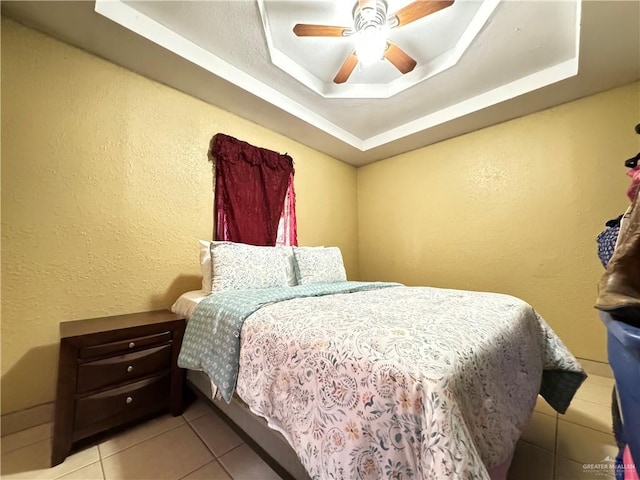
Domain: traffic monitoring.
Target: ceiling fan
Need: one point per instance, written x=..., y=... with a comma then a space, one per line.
x=370, y=27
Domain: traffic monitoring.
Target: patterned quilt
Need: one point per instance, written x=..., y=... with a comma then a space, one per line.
x=401, y=382
x=212, y=338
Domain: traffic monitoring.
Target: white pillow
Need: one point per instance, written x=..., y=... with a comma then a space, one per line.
x=291, y=261
x=237, y=266
x=205, y=263
x=319, y=265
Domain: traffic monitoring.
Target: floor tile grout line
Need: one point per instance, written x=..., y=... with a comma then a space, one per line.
x=137, y=443
x=193, y=429
x=242, y=442
x=587, y=426
x=197, y=468
x=222, y=464
x=606, y=402
x=555, y=415
x=74, y=470
x=609, y=432
x=51, y=467
x=235, y=448
x=196, y=418
x=215, y=457
x=600, y=383
x=564, y=457
x=104, y=474
x=536, y=446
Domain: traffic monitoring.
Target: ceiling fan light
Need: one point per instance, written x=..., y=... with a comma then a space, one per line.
x=371, y=43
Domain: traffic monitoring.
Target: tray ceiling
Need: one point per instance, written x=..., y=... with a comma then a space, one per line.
x=479, y=62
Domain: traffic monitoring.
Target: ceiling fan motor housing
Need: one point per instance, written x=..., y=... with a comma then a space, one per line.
x=372, y=14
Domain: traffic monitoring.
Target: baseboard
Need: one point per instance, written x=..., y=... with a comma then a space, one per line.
x=29, y=417
x=601, y=369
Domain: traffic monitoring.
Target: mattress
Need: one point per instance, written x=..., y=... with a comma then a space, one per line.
x=187, y=302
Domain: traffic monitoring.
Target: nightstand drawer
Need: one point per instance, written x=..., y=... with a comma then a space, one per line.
x=145, y=395
x=124, y=345
x=114, y=370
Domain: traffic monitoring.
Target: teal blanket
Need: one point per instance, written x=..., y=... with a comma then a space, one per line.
x=212, y=338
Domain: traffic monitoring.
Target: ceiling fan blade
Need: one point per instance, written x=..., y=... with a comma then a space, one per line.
x=346, y=69
x=304, y=30
x=399, y=58
x=419, y=9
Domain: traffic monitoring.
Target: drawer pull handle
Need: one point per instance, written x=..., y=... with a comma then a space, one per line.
x=130, y=369
x=132, y=344
x=129, y=400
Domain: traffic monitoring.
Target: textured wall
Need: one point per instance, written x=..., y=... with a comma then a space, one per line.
x=106, y=189
x=513, y=208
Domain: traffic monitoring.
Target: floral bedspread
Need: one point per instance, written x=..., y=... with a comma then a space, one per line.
x=212, y=338
x=402, y=382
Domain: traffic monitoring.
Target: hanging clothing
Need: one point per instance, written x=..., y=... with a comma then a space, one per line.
x=634, y=188
x=607, y=240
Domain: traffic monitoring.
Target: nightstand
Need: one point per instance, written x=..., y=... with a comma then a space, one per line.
x=113, y=371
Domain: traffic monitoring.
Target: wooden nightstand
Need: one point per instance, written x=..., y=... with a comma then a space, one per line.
x=113, y=371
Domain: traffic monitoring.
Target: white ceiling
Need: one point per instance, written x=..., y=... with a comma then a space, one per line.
x=436, y=42
x=479, y=63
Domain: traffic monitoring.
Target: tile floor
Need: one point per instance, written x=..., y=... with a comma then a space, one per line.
x=199, y=445
x=195, y=446
x=573, y=446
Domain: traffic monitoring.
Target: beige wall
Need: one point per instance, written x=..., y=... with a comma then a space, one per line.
x=513, y=208
x=106, y=189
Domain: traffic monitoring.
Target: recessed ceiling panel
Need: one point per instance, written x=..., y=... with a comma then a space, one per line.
x=435, y=42
x=469, y=56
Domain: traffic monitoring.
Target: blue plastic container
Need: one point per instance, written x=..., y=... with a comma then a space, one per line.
x=623, y=346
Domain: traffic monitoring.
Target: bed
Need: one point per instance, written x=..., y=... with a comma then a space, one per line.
x=379, y=380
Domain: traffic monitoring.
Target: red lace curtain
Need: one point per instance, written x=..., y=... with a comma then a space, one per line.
x=288, y=228
x=254, y=196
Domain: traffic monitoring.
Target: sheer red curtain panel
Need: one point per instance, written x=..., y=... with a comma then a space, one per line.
x=251, y=185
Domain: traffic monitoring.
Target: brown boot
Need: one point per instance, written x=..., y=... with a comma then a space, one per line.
x=619, y=288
